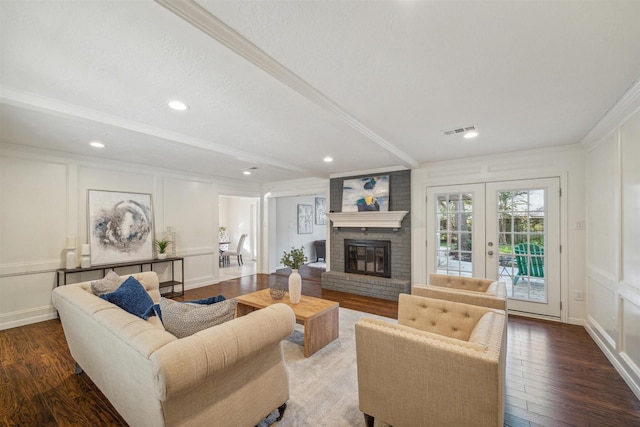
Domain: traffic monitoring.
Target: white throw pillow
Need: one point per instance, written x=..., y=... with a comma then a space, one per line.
x=109, y=283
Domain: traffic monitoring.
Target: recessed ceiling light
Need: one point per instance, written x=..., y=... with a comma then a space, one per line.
x=96, y=144
x=247, y=172
x=470, y=135
x=328, y=159
x=178, y=105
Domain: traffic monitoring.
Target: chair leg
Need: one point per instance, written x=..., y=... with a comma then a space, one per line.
x=368, y=420
x=281, y=409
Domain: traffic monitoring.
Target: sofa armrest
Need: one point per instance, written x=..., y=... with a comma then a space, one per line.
x=191, y=361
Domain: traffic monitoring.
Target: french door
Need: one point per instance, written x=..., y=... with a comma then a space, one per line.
x=507, y=231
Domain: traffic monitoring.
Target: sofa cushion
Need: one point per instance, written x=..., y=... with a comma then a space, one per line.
x=108, y=283
x=183, y=320
x=131, y=297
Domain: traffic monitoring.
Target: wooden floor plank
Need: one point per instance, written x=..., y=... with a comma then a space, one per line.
x=556, y=374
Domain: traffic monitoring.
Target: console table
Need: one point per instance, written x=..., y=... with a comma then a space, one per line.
x=167, y=289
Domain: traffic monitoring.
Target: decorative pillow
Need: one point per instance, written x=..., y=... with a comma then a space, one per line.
x=183, y=320
x=208, y=301
x=109, y=283
x=131, y=297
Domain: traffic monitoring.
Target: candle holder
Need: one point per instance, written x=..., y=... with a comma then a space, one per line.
x=86, y=258
x=71, y=258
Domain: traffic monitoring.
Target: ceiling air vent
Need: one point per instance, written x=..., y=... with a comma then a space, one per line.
x=459, y=130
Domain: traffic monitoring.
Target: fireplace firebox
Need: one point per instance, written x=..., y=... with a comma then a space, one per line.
x=368, y=257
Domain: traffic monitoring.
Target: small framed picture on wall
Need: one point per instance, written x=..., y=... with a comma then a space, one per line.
x=321, y=211
x=305, y=219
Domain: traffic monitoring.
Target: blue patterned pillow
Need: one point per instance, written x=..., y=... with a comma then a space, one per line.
x=207, y=301
x=131, y=297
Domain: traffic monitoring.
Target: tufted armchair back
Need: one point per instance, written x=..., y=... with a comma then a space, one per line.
x=475, y=284
x=439, y=316
x=467, y=290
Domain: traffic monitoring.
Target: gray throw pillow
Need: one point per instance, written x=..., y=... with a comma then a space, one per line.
x=183, y=320
x=109, y=283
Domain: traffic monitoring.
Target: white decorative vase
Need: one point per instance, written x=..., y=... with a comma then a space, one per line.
x=72, y=259
x=295, y=286
x=162, y=256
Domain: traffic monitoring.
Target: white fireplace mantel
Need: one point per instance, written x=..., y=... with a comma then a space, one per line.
x=369, y=219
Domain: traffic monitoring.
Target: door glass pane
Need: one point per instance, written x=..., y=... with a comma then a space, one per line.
x=453, y=232
x=521, y=228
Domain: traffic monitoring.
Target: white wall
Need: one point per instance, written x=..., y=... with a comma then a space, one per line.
x=613, y=255
x=308, y=188
x=43, y=199
x=287, y=227
x=564, y=162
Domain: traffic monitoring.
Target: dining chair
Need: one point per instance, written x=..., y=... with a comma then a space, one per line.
x=238, y=252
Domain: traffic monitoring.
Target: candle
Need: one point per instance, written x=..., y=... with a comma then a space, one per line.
x=86, y=249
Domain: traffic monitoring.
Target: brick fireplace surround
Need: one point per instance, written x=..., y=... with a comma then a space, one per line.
x=377, y=287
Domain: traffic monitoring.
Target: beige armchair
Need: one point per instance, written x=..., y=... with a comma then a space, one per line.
x=468, y=290
x=443, y=364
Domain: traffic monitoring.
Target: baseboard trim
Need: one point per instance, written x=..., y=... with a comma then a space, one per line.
x=15, y=319
x=618, y=362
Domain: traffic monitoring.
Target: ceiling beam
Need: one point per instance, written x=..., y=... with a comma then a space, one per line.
x=29, y=101
x=209, y=24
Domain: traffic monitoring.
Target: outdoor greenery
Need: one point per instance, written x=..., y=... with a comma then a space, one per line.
x=519, y=221
x=294, y=259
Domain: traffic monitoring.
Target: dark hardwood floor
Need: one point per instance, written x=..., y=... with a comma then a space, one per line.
x=556, y=375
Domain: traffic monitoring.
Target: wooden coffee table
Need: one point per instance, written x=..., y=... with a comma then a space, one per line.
x=319, y=316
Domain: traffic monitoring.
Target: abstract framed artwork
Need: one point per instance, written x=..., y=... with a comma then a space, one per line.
x=366, y=194
x=120, y=226
x=305, y=219
x=321, y=211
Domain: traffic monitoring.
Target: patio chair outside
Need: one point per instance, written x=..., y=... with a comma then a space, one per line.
x=530, y=261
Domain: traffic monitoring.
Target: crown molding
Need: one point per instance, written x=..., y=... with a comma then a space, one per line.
x=615, y=117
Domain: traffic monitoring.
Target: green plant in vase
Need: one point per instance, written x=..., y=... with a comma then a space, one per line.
x=162, y=245
x=294, y=259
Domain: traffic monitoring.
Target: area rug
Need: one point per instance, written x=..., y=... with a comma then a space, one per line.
x=317, y=265
x=324, y=387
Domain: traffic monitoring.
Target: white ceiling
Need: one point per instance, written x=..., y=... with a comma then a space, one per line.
x=278, y=85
